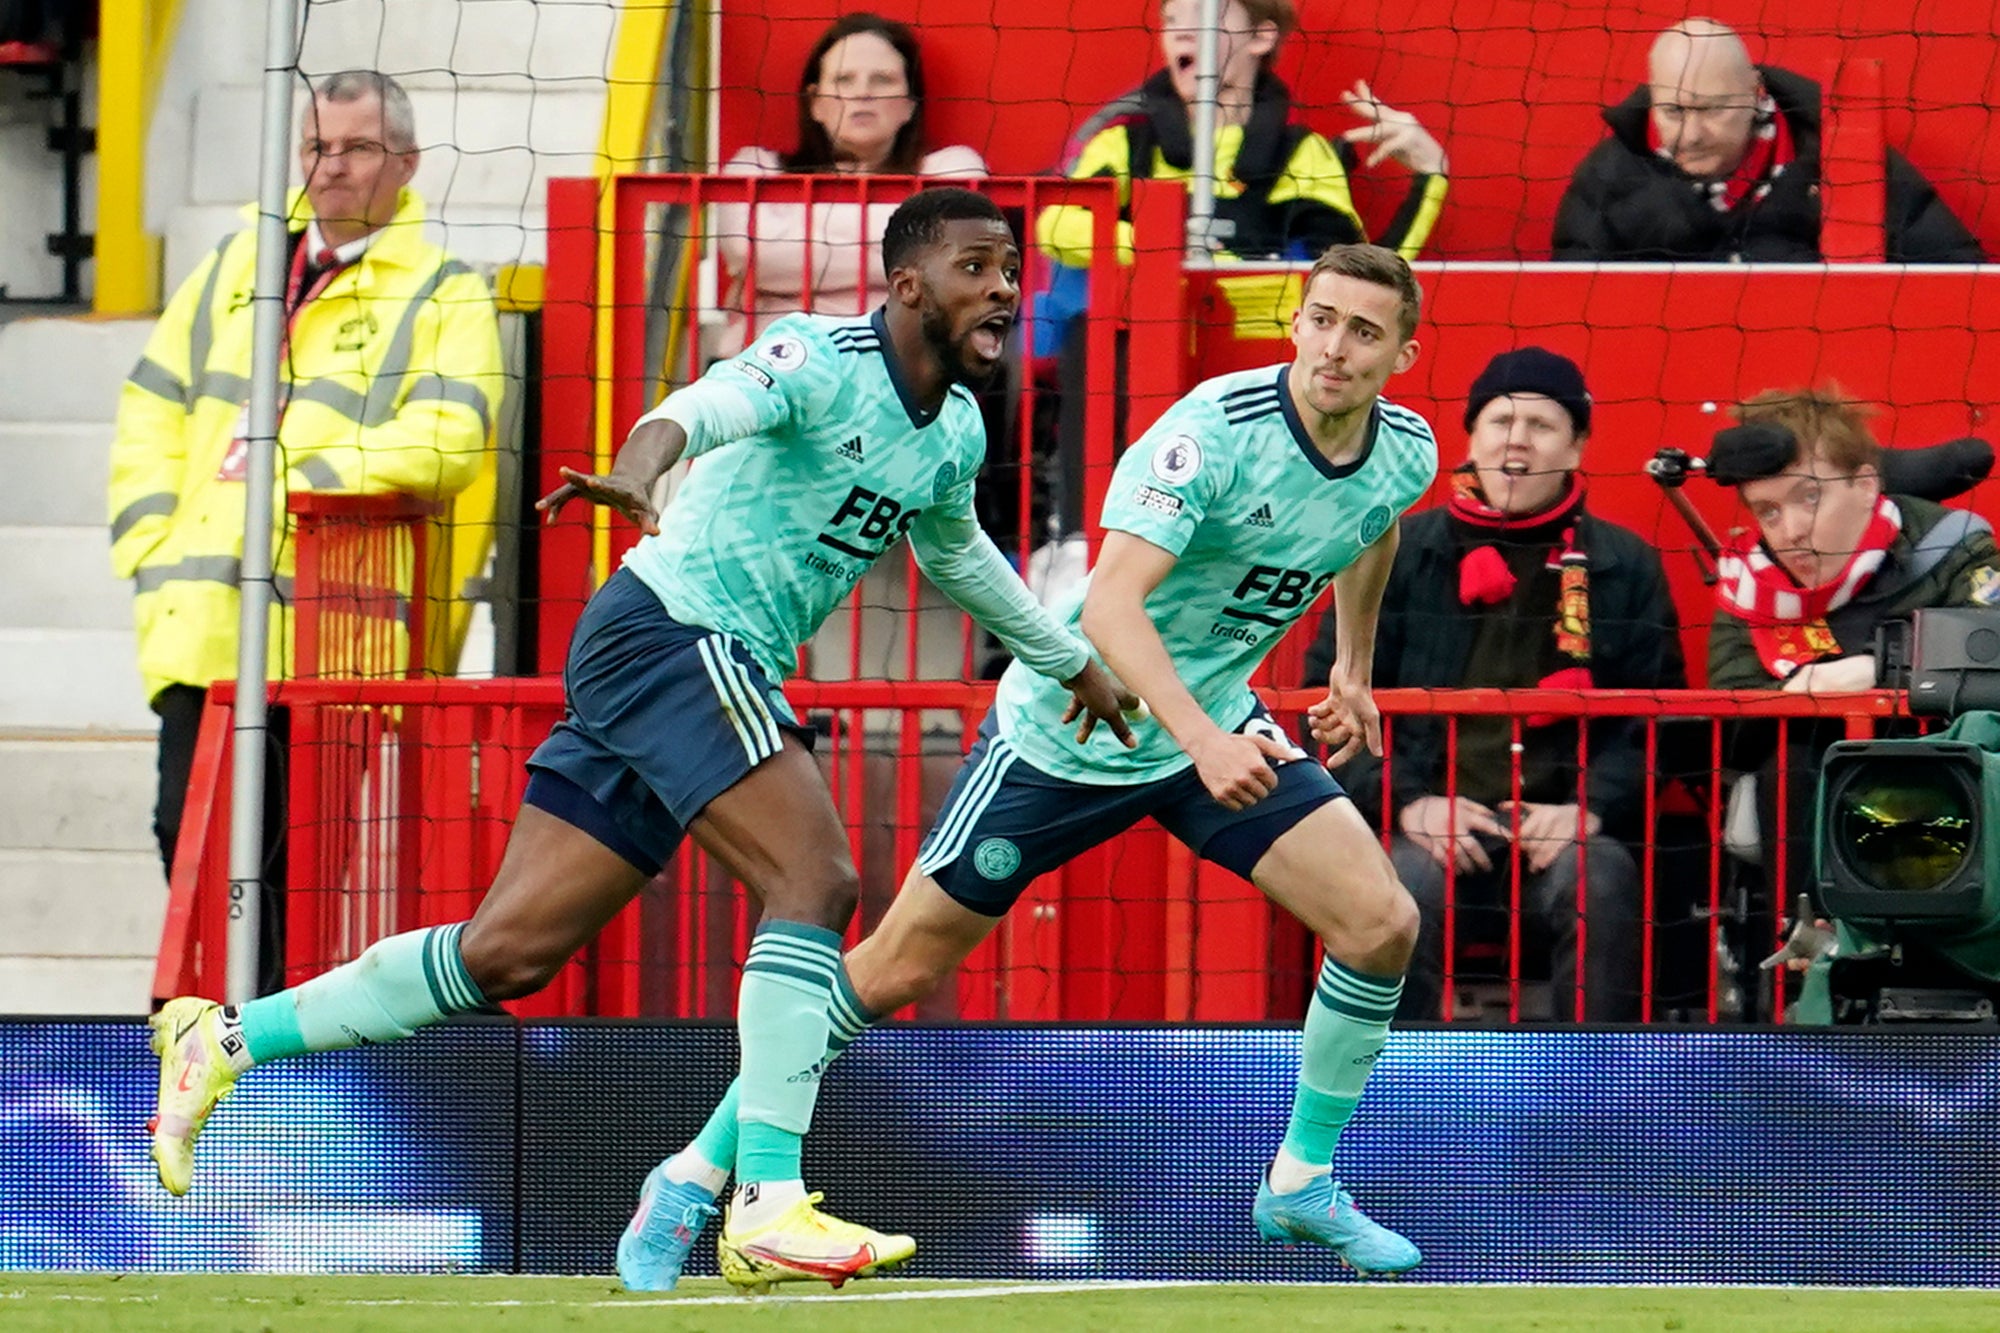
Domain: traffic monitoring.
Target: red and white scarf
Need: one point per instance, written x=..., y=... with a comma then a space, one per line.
x=1484, y=578
x=1788, y=622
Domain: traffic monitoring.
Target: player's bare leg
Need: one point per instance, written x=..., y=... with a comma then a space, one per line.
x=922, y=938
x=557, y=887
x=1330, y=871
x=776, y=830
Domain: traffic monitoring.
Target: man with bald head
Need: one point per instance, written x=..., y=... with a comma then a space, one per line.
x=1716, y=159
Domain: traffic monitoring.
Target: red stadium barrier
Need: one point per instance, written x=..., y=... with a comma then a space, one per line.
x=1666, y=351
x=1137, y=931
x=350, y=618
x=356, y=556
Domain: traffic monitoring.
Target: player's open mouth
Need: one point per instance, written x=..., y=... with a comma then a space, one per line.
x=988, y=338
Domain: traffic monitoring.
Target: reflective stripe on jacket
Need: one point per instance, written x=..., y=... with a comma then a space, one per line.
x=392, y=382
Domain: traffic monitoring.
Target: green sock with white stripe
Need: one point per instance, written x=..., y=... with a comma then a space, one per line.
x=782, y=1024
x=399, y=985
x=710, y=1158
x=1345, y=1031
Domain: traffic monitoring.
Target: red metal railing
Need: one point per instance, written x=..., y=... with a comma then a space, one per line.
x=360, y=591
x=359, y=609
x=402, y=793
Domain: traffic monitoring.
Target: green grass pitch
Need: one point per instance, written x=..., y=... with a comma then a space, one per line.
x=32, y=1303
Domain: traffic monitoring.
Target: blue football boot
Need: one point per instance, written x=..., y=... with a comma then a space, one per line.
x=657, y=1239
x=1324, y=1214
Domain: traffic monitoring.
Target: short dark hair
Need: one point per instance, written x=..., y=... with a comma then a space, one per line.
x=1381, y=266
x=814, y=152
x=918, y=222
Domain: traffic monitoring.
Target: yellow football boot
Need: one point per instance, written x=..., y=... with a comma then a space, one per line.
x=195, y=1074
x=802, y=1244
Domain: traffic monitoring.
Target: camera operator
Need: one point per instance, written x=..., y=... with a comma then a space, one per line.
x=1832, y=559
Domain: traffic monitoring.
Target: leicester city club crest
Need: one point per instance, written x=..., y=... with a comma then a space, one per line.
x=1374, y=523
x=996, y=858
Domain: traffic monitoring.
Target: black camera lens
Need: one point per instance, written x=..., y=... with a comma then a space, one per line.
x=1903, y=825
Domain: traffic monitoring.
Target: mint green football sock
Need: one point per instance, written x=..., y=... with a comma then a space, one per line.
x=398, y=985
x=782, y=1024
x=1345, y=1030
x=848, y=1018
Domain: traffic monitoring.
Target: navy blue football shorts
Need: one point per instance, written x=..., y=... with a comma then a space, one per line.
x=662, y=718
x=1005, y=821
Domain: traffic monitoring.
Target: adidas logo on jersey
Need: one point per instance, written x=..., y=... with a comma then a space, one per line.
x=851, y=449
x=1260, y=517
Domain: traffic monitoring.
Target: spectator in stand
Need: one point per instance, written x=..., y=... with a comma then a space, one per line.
x=1543, y=594
x=1832, y=558
x=391, y=382
x=861, y=111
x=1281, y=192
x=1718, y=159
x=1281, y=188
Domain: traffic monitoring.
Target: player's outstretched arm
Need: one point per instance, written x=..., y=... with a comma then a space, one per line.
x=776, y=381
x=654, y=445
x=1235, y=768
x=958, y=556
x=1347, y=719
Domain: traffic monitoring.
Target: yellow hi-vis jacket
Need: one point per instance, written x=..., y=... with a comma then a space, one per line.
x=391, y=382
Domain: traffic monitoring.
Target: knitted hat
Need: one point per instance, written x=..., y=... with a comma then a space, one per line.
x=1532, y=370
x=1751, y=452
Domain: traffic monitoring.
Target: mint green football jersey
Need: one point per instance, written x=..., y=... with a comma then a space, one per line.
x=1228, y=480
x=813, y=461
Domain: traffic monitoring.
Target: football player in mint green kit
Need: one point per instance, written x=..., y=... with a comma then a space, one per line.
x=1223, y=524
x=820, y=446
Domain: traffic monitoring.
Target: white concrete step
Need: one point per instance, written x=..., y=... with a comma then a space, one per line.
x=60, y=579
x=78, y=795
x=56, y=472
x=81, y=904
x=67, y=369
x=72, y=680
x=47, y=986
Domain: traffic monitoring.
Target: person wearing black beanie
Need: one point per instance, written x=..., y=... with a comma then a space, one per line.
x=1535, y=371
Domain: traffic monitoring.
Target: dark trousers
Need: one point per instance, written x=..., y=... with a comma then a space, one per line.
x=180, y=709
x=1613, y=938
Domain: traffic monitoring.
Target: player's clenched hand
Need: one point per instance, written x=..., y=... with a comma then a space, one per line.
x=1346, y=720
x=1098, y=696
x=625, y=495
x=1238, y=768
x=1444, y=827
